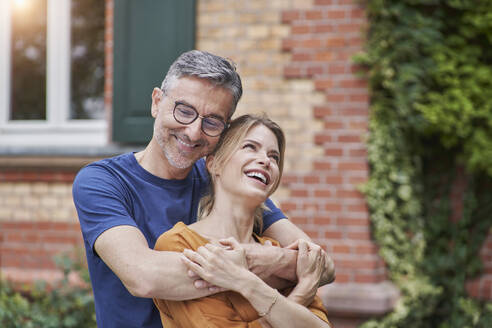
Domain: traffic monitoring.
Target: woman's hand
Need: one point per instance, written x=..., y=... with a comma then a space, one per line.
x=220, y=264
x=310, y=267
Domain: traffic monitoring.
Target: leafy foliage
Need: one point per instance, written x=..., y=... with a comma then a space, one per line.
x=47, y=307
x=429, y=66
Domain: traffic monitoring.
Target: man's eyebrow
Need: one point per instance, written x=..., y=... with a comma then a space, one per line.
x=184, y=102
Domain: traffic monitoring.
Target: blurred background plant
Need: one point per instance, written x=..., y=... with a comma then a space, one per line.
x=429, y=67
x=67, y=303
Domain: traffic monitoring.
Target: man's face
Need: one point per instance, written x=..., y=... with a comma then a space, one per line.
x=181, y=144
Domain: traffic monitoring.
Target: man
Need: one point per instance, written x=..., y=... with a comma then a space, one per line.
x=125, y=203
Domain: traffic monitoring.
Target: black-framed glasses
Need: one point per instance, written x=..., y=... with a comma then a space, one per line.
x=211, y=125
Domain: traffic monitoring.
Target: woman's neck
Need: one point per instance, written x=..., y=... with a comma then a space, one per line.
x=230, y=217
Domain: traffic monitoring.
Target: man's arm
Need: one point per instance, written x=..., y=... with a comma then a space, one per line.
x=286, y=233
x=143, y=271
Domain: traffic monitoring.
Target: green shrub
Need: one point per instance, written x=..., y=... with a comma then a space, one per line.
x=43, y=306
x=429, y=67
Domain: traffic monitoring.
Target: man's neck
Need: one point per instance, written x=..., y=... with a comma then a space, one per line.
x=153, y=160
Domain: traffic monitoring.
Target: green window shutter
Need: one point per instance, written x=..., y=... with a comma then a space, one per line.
x=148, y=36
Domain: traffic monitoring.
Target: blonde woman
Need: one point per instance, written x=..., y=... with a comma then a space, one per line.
x=245, y=169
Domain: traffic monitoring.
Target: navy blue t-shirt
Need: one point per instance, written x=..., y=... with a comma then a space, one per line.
x=118, y=191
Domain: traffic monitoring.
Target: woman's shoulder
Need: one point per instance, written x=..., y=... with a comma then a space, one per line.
x=178, y=238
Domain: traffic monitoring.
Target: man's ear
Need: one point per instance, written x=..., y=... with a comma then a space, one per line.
x=157, y=96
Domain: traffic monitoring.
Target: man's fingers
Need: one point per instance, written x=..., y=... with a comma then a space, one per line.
x=191, y=265
x=303, y=247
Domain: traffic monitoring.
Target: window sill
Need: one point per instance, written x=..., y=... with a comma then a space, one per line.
x=56, y=158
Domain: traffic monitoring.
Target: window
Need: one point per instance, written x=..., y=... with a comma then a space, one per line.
x=52, y=73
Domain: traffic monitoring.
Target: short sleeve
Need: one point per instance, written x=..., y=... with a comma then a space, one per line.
x=272, y=215
x=100, y=200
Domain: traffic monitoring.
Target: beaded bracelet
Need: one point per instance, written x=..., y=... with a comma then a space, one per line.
x=262, y=314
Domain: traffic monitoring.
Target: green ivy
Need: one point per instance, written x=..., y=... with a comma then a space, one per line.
x=42, y=306
x=429, y=67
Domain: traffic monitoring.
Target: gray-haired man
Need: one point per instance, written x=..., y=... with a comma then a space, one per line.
x=125, y=203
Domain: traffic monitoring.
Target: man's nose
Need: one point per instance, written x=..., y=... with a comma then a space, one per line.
x=195, y=130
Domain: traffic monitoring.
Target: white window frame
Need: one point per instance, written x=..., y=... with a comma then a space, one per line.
x=58, y=129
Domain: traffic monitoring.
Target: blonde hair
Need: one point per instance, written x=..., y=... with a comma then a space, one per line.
x=227, y=145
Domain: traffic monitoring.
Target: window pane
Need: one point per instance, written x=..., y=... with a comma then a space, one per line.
x=87, y=56
x=28, y=76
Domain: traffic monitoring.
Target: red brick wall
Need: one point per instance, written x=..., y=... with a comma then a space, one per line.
x=326, y=203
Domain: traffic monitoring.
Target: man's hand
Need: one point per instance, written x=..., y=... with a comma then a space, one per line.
x=269, y=262
x=310, y=267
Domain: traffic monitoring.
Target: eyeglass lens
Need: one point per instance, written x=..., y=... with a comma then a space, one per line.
x=211, y=126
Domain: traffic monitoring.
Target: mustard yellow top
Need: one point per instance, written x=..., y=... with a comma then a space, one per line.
x=227, y=309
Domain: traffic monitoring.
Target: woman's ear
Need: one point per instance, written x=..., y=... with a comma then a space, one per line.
x=209, y=163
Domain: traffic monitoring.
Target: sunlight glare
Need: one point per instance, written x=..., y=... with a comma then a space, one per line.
x=21, y=4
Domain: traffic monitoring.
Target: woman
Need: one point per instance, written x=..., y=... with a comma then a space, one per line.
x=245, y=169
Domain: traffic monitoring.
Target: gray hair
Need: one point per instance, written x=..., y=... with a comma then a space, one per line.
x=204, y=65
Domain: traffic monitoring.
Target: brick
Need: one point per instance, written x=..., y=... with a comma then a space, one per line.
x=358, y=208
x=298, y=220
x=322, y=193
x=334, y=98
x=337, y=68
x=335, y=14
x=334, y=42
x=314, y=70
x=345, y=193
x=349, y=28
x=368, y=278
x=333, y=152
x=333, y=179
x=290, y=15
x=342, y=278
x=322, y=220
x=322, y=84
x=357, y=264
x=300, y=29
x=311, y=43
x=299, y=193
x=349, y=138
x=318, y=165
x=359, y=235
x=323, y=56
x=322, y=111
x=334, y=124
x=313, y=14
x=352, y=166
x=352, y=222
x=288, y=206
x=333, y=207
x=333, y=234
x=341, y=249
x=311, y=179
x=357, y=13
x=323, y=28
x=366, y=249
x=322, y=138
x=302, y=56
x=353, y=83
x=292, y=72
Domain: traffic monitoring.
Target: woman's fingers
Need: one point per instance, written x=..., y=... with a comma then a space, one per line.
x=230, y=242
x=294, y=245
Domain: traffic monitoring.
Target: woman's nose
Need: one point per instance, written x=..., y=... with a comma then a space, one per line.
x=264, y=160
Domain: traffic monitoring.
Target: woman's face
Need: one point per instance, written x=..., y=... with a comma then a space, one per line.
x=252, y=171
